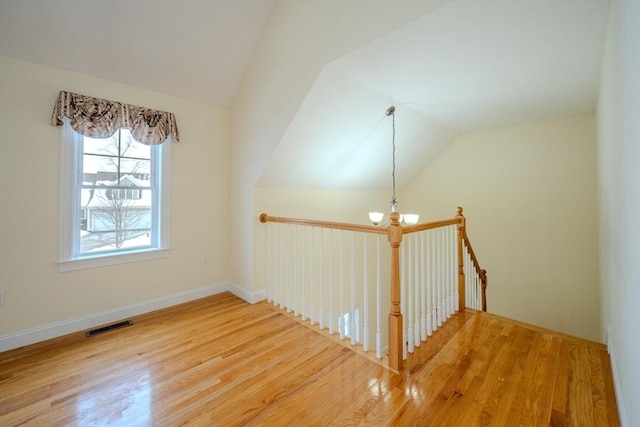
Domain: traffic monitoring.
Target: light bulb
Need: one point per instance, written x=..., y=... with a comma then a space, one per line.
x=376, y=217
x=411, y=219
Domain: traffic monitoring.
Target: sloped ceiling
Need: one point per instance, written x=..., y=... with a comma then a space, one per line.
x=466, y=66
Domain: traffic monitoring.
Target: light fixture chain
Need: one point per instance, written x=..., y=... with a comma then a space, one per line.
x=376, y=217
x=393, y=143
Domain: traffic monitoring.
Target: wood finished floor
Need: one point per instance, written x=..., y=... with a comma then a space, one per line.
x=222, y=362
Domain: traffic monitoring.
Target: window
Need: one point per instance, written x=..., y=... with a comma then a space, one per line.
x=114, y=200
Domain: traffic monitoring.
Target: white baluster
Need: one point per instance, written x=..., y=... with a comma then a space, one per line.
x=473, y=284
x=285, y=266
x=447, y=275
x=352, y=317
x=295, y=270
x=477, y=304
x=456, y=291
x=416, y=288
x=441, y=278
x=465, y=268
x=455, y=305
x=450, y=271
x=331, y=314
x=472, y=277
x=478, y=288
x=429, y=283
x=434, y=281
x=270, y=256
x=424, y=288
x=341, y=325
x=378, y=301
x=275, y=263
x=365, y=293
x=281, y=300
x=446, y=257
x=471, y=272
x=436, y=254
x=322, y=286
x=406, y=298
x=450, y=280
x=312, y=295
x=404, y=343
x=289, y=269
x=303, y=308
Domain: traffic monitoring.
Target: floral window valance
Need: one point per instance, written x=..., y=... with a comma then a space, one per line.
x=101, y=118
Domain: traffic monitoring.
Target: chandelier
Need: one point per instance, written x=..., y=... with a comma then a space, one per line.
x=377, y=217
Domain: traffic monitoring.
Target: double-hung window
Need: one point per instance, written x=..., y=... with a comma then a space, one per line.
x=114, y=199
x=115, y=196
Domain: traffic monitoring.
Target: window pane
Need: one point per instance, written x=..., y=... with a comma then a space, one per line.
x=99, y=170
x=104, y=146
x=115, y=218
x=129, y=147
x=138, y=169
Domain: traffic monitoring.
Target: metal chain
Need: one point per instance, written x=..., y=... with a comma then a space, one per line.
x=393, y=143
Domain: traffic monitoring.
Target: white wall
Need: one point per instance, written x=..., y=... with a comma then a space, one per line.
x=619, y=180
x=36, y=294
x=530, y=197
x=301, y=37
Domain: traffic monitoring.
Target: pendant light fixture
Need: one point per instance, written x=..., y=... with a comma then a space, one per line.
x=377, y=217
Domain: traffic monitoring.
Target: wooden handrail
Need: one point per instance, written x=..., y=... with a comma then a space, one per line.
x=429, y=225
x=406, y=229
x=324, y=224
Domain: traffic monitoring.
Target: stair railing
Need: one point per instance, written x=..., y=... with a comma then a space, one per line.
x=432, y=275
x=476, y=277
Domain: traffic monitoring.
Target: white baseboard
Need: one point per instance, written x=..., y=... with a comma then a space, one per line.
x=58, y=329
x=616, y=380
x=251, y=297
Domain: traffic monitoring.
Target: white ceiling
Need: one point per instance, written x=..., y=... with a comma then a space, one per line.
x=160, y=42
x=466, y=66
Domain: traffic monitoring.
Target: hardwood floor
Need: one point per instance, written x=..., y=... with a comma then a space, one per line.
x=222, y=362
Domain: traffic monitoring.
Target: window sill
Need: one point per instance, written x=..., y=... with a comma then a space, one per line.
x=105, y=260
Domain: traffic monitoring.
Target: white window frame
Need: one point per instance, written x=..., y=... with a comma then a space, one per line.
x=71, y=177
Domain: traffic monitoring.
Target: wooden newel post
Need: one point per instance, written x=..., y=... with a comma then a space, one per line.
x=395, y=316
x=461, y=281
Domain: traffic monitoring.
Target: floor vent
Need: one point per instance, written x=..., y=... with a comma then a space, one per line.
x=107, y=328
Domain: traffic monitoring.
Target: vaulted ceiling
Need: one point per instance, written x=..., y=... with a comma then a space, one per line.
x=465, y=66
